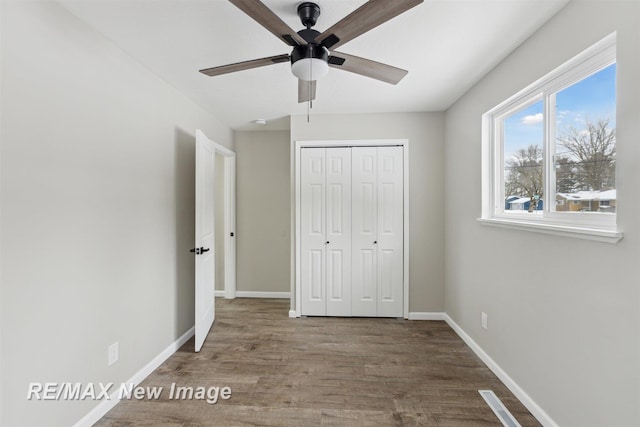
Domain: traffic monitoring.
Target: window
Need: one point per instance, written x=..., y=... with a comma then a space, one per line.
x=550, y=151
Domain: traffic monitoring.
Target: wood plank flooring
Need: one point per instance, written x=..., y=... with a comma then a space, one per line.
x=322, y=372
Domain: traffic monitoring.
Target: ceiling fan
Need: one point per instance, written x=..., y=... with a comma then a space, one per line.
x=313, y=53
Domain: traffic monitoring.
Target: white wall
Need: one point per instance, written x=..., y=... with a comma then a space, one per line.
x=262, y=219
x=564, y=314
x=98, y=204
x=425, y=132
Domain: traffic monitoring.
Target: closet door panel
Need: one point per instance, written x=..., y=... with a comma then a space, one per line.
x=338, y=161
x=313, y=205
x=365, y=222
x=390, y=248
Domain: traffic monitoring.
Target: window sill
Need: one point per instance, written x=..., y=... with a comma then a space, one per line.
x=587, y=233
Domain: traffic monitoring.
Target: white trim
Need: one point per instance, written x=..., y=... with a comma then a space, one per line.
x=351, y=143
x=297, y=146
x=293, y=232
x=420, y=315
x=405, y=304
x=1, y=286
x=255, y=294
x=106, y=405
x=230, y=227
x=596, y=234
x=251, y=294
x=222, y=150
x=522, y=396
x=229, y=197
x=297, y=229
x=293, y=314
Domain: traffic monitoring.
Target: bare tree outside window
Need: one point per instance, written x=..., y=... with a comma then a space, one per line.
x=525, y=175
x=586, y=163
x=589, y=162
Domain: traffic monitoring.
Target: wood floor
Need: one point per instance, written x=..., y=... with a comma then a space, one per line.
x=322, y=372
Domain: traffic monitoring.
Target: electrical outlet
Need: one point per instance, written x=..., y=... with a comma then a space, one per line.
x=113, y=353
x=485, y=321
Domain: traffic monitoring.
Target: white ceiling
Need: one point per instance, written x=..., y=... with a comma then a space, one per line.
x=447, y=46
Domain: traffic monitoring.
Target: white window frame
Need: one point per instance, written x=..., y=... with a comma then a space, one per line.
x=592, y=226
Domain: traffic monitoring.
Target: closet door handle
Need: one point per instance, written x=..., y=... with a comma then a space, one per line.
x=327, y=242
x=375, y=242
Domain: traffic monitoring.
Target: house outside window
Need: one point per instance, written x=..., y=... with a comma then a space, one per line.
x=555, y=140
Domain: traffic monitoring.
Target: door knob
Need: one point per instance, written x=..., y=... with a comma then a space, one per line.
x=200, y=250
x=375, y=242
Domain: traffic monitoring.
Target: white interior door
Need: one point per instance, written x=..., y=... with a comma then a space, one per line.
x=205, y=238
x=338, y=231
x=365, y=231
x=390, y=244
x=313, y=231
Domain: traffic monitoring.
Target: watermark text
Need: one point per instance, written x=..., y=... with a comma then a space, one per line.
x=126, y=391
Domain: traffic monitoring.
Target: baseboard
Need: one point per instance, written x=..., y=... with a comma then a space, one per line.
x=106, y=405
x=526, y=400
x=251, y=294
x=425, y=315
x=293, y=314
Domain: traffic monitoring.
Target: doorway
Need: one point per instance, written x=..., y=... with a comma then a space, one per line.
x=225, y=242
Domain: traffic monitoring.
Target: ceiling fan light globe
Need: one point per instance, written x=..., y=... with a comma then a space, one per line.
x=310, y=69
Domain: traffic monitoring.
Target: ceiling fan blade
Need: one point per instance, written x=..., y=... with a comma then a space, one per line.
x=245, y=65
x=368, y=16
x=269, y=20
x=306, y=90
x=366, y=67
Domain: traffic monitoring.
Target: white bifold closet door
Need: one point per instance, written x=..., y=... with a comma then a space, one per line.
x=378, y=231
x=352, y=231
x=326, y=231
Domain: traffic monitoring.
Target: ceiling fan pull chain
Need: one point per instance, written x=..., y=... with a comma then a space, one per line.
x=309, y=103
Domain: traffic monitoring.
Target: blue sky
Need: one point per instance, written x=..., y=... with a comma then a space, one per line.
x=590, y=99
